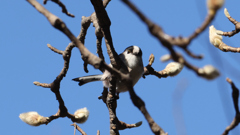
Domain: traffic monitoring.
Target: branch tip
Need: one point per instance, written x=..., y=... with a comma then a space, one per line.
x=226, y=13
x=229, y=80
x=138, y=124
x=151, y=59
x=45, y=85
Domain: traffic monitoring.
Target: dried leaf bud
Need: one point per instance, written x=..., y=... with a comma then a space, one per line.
x=138, y=124
x=32, y=118
x=165, y=57
x=214, y=5
x=214, y=36
x=209, y=72
x=151, y=59
x=81, y=115
x=226, y=13
x=173, y=68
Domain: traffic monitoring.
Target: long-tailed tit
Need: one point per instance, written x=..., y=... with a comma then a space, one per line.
x=132, y=58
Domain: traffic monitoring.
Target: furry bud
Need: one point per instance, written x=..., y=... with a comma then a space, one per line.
x=173, y=68
x=214, y=36
x=209, y=72
x=81, y=115
x=165, y=57
x=32, y=118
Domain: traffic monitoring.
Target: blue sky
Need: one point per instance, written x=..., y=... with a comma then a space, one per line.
x=205, y=106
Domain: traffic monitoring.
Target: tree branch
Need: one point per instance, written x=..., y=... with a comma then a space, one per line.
x=235, y=96
x=112, y=105
x=64, y=9
x=139, y=103
x=232, y=20
x=78, y=128
x=104, y=23
x=87, y=56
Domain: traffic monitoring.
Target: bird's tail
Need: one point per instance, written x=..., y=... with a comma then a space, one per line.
x=86, y=79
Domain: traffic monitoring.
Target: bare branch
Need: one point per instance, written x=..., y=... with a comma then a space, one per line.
x=165, y=39
x=149, y=70
x=55, y=85
x=99, y=46
x=204, y=25
x=236, y=23
x=57, y=23
x=86, y=55
x=55, y=49
x=193, y=55
x=109, y=98
x=44, y=85
x=215, y=36
x=154, y=29
x=78, y=128
x=235, y=96
x=64, y=9
x=122, y=125
x=139, y=103
x=85, y=23
x=234, y=123
x=98, y=32
x=112, y=105
x=104, y=23
x=226, y=48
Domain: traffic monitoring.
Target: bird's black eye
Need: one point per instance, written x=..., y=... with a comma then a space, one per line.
x=129, y=51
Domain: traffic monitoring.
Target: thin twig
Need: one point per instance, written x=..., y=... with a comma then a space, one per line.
x=226, y=48
x=98, y=132
x=78, y=128
x=85, y=24
x=139, y=103
x=235, y=96
x=64, y=9
x=232, y=20
x=104, y=23
x=87, y=56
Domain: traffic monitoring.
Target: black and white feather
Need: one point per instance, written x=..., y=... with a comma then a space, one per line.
x=132, y=58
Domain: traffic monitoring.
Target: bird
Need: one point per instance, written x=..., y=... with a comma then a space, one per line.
x=132, y=58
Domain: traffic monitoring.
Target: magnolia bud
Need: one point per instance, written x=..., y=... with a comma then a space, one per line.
x=214, y=5
x=32, y=118
x=81, y=115
x=209, y=72
x=165, y=57
x=173, y=68
x=226, y=13
x=214, y=36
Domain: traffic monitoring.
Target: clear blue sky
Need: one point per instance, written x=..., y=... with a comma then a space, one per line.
x=206, y=105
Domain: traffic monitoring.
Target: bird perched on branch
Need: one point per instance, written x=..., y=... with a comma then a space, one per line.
x=132, y=58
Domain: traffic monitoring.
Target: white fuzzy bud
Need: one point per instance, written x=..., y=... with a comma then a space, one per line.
x=173, y=68
x=214, y=36
x=31, y=118
x=165, y=57
x=81, y=115
x=209, y=72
